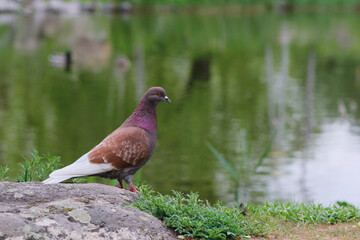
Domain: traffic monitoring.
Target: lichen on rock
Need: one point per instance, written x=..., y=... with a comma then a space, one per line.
x=74, y=211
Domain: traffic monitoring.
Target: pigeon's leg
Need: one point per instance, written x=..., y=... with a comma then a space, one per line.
x=128, y=180
x=120, y=183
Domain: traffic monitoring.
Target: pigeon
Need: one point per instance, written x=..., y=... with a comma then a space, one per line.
x=125, y=150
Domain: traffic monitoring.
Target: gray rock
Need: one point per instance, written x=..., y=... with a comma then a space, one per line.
x=74, y=211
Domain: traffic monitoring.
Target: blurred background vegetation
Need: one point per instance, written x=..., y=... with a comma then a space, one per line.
x=234, y=78
x=266, y=3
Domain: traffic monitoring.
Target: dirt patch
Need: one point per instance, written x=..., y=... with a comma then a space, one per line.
x=291, y=231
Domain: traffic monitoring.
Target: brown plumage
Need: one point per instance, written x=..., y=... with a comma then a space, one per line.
x=125, y=147
x=125, y=150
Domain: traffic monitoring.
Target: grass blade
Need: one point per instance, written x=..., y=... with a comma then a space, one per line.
x=223, y=161
x=265, y=153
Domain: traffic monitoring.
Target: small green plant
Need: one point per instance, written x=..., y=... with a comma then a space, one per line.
x=38, y=168
x=190, y=216
x=3, y=172
x=236, y=171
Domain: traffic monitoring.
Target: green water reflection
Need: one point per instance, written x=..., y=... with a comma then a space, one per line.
x=233, y=81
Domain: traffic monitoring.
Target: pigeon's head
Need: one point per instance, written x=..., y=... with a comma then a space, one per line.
x=144, y=116
x=156, y=95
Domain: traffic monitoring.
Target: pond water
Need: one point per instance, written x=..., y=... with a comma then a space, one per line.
x=236, y=82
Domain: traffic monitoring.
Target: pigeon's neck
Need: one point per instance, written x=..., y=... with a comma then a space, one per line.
x=144, y=116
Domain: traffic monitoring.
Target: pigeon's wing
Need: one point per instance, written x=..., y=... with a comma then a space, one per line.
x=123, y=148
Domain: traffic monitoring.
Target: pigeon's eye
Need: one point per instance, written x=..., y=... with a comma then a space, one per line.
x=157, y=93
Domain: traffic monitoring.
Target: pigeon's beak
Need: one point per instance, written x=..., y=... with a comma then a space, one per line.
x=167, y=99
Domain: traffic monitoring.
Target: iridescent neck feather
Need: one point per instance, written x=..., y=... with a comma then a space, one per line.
x=144, y=116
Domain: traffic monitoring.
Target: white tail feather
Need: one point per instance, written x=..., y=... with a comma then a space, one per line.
x=81, y=167
x=52, y=180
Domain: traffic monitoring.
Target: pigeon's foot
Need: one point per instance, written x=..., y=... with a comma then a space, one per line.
x=132, y=188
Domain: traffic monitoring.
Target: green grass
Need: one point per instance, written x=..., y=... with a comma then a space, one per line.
x=3, y=171
x=190, y=216
x=37, y=167
x=310, y=212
